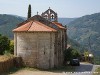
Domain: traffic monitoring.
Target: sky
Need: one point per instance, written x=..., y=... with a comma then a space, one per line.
x=64, y=8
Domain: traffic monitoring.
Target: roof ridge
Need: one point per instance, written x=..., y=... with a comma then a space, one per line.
x=45, y=21
x=45, y=25
x=30, y=26
x=59, y=25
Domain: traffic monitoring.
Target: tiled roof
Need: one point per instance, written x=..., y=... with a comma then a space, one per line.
x=59, y=25
x=33, y=26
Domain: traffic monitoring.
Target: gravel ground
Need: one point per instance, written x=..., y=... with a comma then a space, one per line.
x=27, y=72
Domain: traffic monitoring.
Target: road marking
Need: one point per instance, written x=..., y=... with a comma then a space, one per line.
x=81, y=72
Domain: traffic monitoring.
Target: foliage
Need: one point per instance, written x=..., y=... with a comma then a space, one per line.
x=86, y=55
x=4, y=44
x=29, y=11
x=97, y=60
x=75, y=44
x=75, y=53
x=12, y=47
x=65, y=21
x=8, y=23
x=71, y=53
x=97, y=71
x=86, y=31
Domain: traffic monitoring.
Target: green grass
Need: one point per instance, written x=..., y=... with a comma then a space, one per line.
x=63, y=69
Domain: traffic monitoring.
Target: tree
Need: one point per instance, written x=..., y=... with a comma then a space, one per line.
x=70, y=53
x=29, y=11
x=86, y=55
x=4, y=44
x=11, y=47
x=75, y=54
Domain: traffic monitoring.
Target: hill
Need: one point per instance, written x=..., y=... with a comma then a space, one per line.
x=86, y=31
x=9, y=22
x=65, y=21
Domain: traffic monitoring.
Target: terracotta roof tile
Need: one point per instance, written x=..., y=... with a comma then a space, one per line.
x=24, y=27
x=34, y=26
x=37, y=26
x=59, y=25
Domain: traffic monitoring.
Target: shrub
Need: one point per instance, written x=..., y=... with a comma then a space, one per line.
x=11, y=47
x=70, y=53
x=4, y=44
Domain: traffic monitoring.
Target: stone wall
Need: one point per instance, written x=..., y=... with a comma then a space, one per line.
x=36, y=49
x=60, y=46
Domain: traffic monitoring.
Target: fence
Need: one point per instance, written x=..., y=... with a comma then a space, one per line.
x=9, y=63
x=6, y=65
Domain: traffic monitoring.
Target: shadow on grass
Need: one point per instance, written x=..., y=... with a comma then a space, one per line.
x=62, y=69
x=56, y=70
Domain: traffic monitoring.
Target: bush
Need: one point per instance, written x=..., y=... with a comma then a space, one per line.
x=12, y=47
x=70, y=53
x=4, y=44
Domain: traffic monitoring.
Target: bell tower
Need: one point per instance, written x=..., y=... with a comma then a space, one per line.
x=50, y=15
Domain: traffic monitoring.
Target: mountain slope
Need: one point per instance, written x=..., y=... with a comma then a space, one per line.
x=65, y=21
x=86, y=31
x=7, y=23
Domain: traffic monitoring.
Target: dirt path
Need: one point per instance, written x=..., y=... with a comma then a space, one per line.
x=28, y=72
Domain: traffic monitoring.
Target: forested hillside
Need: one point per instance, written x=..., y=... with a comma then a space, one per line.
x=7, y=23
x=86, y=31
x=66, y=21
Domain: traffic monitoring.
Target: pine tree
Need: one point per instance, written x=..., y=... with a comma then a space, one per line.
x=29, y=11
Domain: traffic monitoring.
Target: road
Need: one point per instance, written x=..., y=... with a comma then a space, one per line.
x=85, y=69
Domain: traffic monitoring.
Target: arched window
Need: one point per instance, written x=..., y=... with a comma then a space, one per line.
x=50, y=15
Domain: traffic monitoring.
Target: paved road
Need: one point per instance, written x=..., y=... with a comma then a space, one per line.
x=85, y=69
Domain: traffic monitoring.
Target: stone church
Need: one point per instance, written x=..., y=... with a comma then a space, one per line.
x=40, y=41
